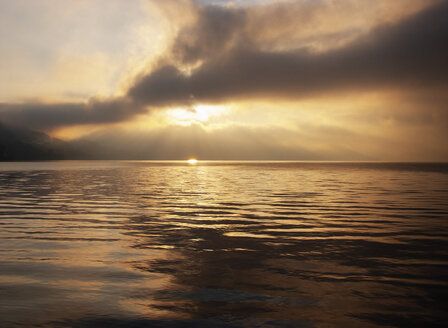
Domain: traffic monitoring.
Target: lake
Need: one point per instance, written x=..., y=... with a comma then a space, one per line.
x=223, y=244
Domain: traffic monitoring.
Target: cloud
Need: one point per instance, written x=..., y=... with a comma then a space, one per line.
x=228, y=53
x=43, y=116
x=408, y=54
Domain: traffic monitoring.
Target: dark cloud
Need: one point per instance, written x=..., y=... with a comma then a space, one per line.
x=43, y=116
x=215, y=32
x=409, y=54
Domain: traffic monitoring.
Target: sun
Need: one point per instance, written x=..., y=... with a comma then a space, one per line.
x=196, y=114
x=192, y=161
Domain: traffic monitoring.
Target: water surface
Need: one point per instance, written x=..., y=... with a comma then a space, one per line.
x=223, y=244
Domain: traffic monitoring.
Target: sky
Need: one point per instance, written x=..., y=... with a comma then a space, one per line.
x=290, y=80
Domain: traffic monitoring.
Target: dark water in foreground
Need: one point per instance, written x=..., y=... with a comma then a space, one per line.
x=145, y=244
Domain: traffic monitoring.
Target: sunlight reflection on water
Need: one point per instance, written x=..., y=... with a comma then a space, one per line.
x=223, y=244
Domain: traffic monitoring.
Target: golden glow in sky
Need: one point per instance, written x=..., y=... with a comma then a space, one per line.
x=197, y=114
x=321, y=80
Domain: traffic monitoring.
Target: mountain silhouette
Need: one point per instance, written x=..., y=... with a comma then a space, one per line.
x=20, y=144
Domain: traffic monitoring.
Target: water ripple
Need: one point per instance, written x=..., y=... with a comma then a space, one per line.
x=223, y=244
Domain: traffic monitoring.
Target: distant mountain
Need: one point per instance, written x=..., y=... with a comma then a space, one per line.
x=19, y=144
